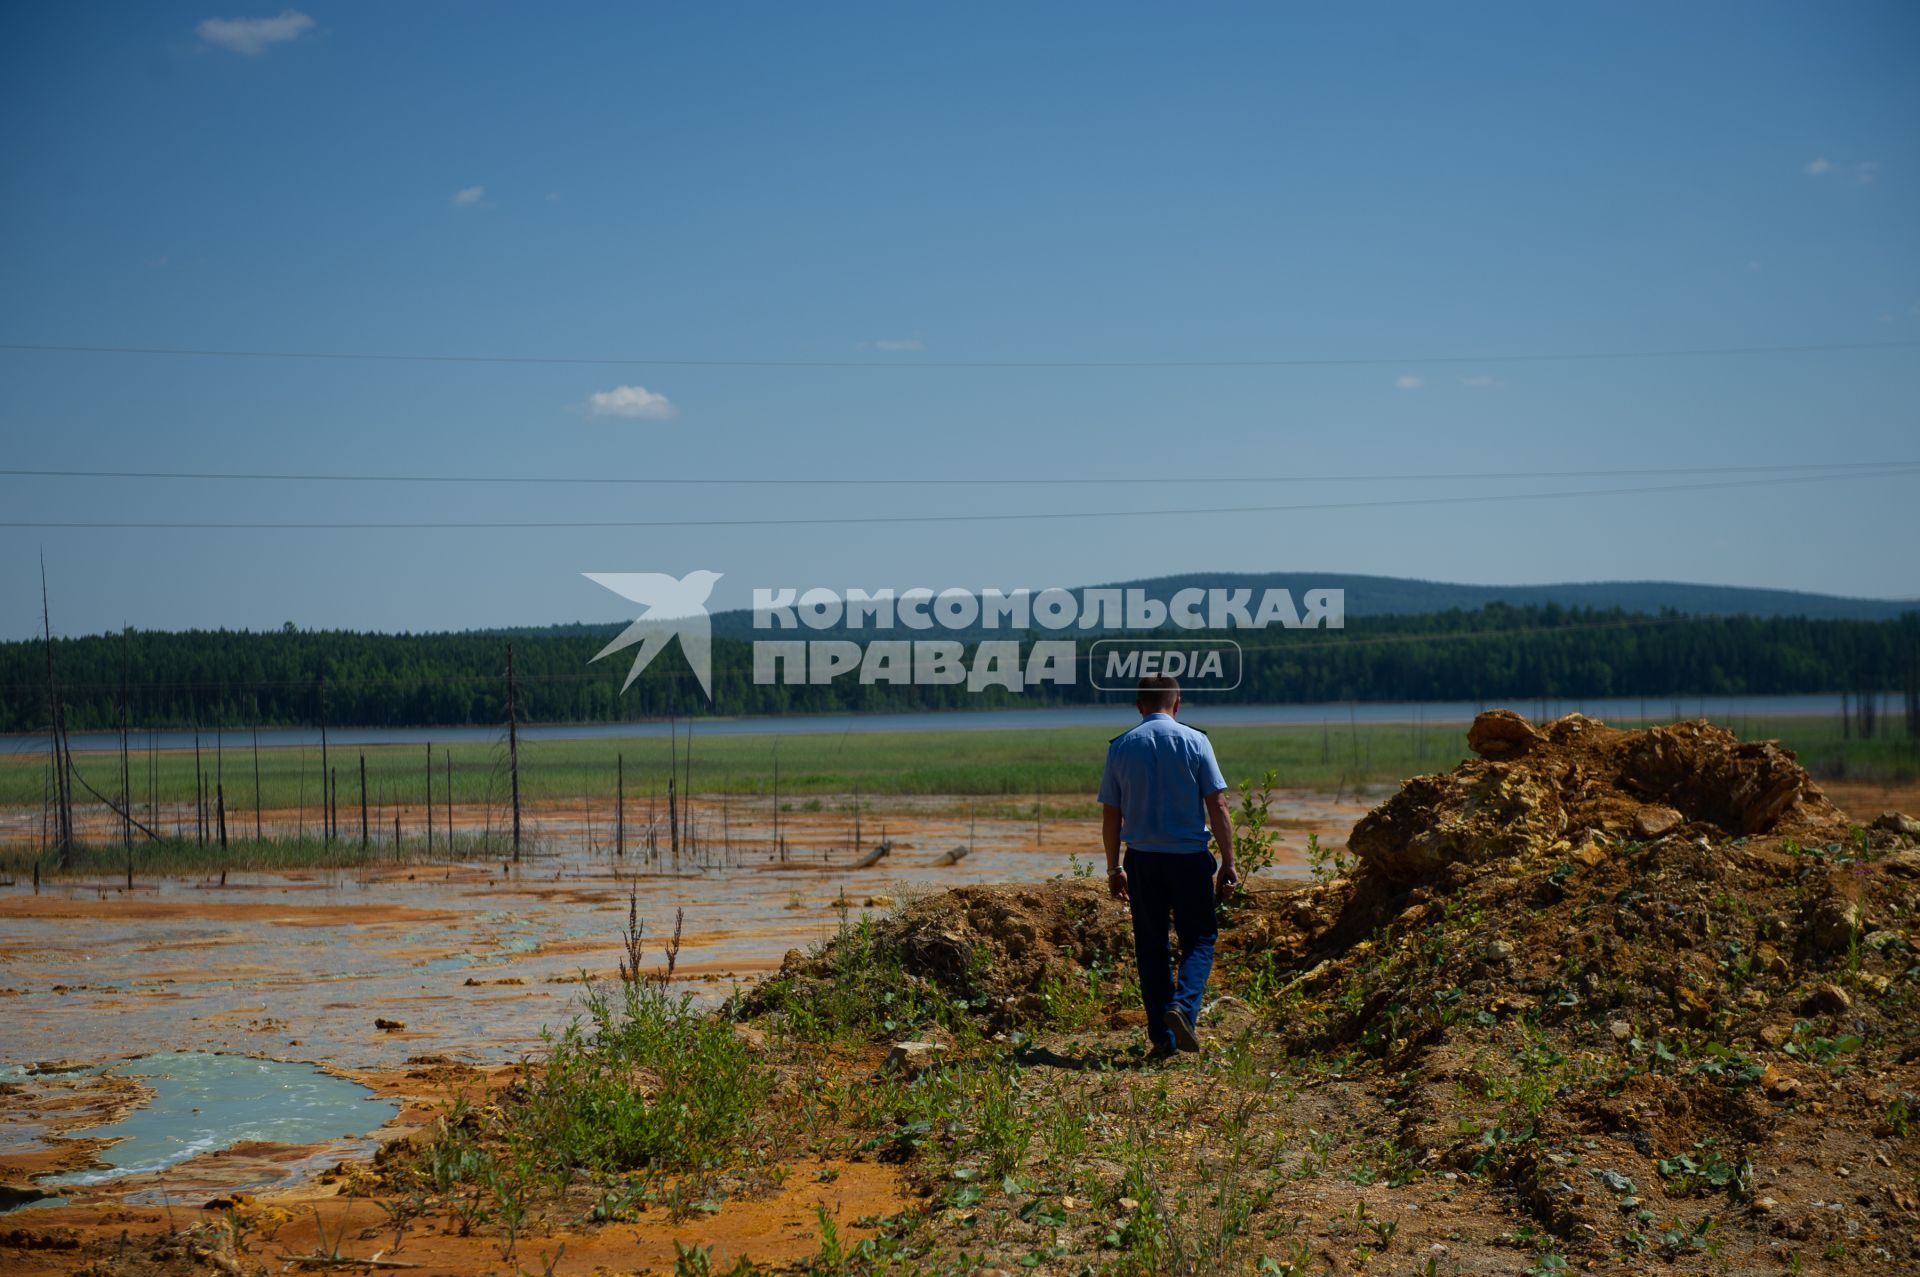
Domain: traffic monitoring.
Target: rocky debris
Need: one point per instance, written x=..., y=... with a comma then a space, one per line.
x=910, y=1059
x=1575, y=783
x=1826, y=998
x=1501, y=733
x=1651, y=822
x=1833, y=921
x=1895, y=822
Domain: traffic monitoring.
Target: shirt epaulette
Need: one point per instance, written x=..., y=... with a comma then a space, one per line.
x=1190, y=726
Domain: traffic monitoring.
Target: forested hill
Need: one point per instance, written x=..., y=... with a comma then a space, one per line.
x=1402, y=596
x=1372, y=596
x=1496, y=652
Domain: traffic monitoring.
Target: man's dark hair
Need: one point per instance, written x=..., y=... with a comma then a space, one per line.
x=1156, y=693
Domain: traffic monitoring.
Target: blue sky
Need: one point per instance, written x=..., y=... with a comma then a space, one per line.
x=896, y=183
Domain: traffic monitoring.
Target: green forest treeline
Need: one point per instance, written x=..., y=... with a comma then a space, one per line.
x=1492, y=653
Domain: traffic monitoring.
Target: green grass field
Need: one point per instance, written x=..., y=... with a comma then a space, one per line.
x=1061, y=763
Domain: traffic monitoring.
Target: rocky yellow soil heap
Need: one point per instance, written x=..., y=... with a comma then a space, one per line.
x=1575, y=781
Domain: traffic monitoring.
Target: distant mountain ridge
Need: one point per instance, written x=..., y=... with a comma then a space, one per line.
x=1370, y=596
x=1408, y=596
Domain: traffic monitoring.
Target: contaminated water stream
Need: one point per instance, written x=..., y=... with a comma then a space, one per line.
x=186, y=1016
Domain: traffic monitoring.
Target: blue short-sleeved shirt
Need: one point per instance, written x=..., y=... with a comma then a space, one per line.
x=1157, y=774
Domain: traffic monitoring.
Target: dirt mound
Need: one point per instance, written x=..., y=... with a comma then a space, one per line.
x=996, y=947
x=1575, y=781
x=1653, y=983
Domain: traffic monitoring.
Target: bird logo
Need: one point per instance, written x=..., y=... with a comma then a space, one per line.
x=673, y=605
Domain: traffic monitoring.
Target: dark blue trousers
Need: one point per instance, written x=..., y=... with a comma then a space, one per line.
x=1177, y=885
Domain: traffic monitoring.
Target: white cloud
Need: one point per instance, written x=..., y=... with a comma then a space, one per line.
x=1868, y=173
x=630, y=401
x=254, y=36
x=469, y=196
x=1480, y=381
x=1817, y=166
x=1409, y=383
x=898, y=343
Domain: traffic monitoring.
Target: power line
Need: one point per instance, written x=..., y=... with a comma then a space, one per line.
x=852, y=520
x=1369, y=361
x=934, y=481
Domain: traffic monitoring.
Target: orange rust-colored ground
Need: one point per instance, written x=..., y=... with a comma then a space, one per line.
x=1864, y=800
x=779, y=1227
x=133, y=906
x=276, y=1226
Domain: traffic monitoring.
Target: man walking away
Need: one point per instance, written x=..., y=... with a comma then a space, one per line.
x=1161, y=792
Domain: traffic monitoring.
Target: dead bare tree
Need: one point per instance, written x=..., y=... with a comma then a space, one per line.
x=126, y=775
x=326, y=770
x=62, y=785
x=220, y=774
x=199, y=786
x=513, y=748
x=256, y=769
x=673, y=777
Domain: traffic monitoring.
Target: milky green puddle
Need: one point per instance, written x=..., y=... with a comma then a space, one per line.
x=204, y=1102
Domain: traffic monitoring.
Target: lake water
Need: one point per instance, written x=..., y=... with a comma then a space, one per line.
x=1627, y=710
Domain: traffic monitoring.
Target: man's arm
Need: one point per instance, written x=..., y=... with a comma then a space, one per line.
x=1220, y=820
x=1110, y=839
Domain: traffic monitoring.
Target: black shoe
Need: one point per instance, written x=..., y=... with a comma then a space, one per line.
x=1160, y=1051
x=1183, y=1034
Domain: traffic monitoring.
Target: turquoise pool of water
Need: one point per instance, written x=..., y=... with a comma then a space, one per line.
x=203, y=1102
